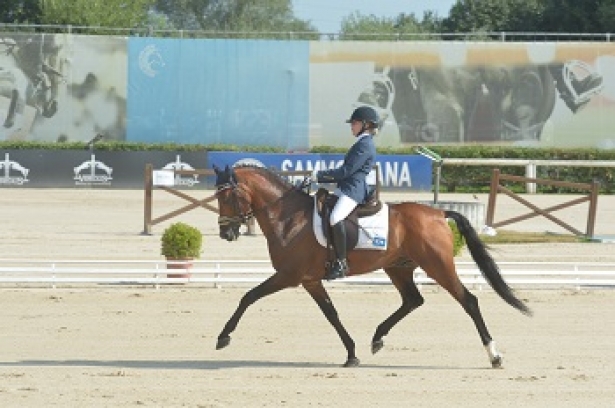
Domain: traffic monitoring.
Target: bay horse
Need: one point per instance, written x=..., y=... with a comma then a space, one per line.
x=419, y=236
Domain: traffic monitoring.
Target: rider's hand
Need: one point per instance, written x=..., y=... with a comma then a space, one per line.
x=306, y=183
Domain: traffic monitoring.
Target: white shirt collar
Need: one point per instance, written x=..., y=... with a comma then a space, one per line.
x=361, y=136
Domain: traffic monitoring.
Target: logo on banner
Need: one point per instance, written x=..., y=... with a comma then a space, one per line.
x=180, y=180
x=11, y=168
x=150, y=61
x=93, y=172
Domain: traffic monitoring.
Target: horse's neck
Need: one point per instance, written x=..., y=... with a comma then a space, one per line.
x=280, y=211
x=264, y=194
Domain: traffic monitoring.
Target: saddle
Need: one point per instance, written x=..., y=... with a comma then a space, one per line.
x=325, y=201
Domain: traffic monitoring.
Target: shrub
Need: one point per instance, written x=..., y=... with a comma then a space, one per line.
x=181, y=241
x=458, y=241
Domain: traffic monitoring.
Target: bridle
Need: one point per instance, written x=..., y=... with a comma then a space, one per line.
x=241, y=217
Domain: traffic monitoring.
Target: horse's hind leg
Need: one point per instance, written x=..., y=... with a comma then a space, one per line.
x=321, y=297
x=444, y=273
x=470, y=305
x=403, y=279
x=265, y=288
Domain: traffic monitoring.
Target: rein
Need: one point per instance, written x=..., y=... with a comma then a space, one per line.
x=242, y=217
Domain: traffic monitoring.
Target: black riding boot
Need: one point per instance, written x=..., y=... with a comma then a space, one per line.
x=340, y=266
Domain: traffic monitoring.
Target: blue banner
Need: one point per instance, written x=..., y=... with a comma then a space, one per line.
x=240, y=92
x=396, y=171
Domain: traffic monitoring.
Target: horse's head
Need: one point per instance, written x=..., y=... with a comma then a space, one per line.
x=231, y=204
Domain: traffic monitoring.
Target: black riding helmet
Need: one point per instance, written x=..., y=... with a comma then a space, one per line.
x=366, y=115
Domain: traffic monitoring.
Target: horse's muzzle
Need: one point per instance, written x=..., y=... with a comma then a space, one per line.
x=229, y=233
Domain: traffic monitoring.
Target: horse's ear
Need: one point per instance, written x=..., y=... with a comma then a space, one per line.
x=216, y=169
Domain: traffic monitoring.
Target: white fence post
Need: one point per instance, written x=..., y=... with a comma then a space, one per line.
x=530, y=172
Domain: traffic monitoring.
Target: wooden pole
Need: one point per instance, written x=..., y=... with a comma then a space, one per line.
x=593, y=207
x=147, y=210
x=493, y=192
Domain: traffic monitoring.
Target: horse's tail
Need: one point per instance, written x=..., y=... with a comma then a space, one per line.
x=485, y=262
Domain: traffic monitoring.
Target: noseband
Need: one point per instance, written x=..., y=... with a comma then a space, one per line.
x=240, y=217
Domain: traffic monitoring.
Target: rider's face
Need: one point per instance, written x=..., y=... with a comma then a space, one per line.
x=355, y=127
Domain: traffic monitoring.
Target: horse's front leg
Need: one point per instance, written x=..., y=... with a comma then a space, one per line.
x=320, y=295
x=271, y=285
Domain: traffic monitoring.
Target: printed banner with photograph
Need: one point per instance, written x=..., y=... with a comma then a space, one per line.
x=298, y=94
x=62, y=87
x=537, y=94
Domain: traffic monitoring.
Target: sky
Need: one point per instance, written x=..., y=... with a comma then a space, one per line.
x=327, y=15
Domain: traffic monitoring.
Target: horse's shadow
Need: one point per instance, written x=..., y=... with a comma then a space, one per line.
x=206, y=365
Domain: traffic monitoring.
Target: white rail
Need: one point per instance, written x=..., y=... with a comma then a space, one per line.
x=225, y=272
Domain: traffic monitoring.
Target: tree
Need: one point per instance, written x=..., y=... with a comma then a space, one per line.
x=87, y=13
x=606, y=16
x=588, y=16
x=20, y=11
x=471, y=16
x=531, y=16
x=357, y=26
x=232, y=15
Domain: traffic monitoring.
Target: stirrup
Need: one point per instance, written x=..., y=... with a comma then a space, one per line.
x=337, y=270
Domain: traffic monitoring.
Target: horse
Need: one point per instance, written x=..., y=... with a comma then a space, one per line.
x=483, y=103
x=419, y=236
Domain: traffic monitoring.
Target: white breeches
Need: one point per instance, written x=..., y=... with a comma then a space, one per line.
x=342, y=209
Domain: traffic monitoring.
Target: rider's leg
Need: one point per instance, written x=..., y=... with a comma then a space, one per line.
x=343, y=207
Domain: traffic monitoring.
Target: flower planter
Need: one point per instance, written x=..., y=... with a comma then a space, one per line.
x=182, y=266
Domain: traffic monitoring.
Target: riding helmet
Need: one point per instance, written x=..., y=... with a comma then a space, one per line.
x=365, y=114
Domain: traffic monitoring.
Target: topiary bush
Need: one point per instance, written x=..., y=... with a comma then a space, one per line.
x=181, y=241
x=458, y=241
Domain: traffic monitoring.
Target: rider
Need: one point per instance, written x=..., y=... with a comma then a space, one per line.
x=352, y=188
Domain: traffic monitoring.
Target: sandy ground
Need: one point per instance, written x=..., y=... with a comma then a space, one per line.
x=107, y=224
x=142, y=347
x=136, y=346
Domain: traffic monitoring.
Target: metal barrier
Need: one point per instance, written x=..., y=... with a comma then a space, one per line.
x=534, y=275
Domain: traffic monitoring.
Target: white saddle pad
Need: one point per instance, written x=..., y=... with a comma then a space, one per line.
x=373, y=231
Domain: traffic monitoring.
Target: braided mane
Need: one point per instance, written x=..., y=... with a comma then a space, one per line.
x=270, y=173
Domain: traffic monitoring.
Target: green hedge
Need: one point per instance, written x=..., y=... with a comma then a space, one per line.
x=477, y=178
x=458, y=241
x=114, y=146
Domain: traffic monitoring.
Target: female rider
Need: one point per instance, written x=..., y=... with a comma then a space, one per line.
x=352, y=188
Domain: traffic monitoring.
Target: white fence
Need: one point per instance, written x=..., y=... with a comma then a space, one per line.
x=17, y=273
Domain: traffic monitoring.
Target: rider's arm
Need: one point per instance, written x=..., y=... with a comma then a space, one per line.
x=353, y=161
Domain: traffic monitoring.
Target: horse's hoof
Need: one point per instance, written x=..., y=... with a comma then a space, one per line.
x=223, y=342
x=377, y=346
x=496, y=362
x=352, y=362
